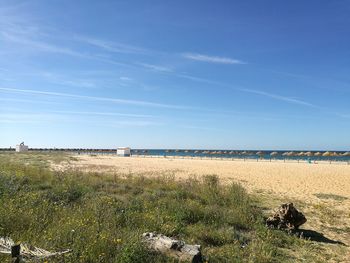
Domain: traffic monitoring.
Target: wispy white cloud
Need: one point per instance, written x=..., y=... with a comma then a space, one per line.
x=280, y=98
x=33, y=39
x=125, y=78
x=105, y=114
x=155, y=67
x=19, y=34
x=252, y=91
x=200, y=79
x=27, y=101
x=65, y=80
x=110, y=45
x=133, y=123
x=58, y=118
x=95, y=98
x=342, y=115
x=200, y=128
x=24, y=117
x=40, y=45
x=211, y=59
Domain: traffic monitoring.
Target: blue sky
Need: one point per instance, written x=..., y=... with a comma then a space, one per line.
x=175, y=74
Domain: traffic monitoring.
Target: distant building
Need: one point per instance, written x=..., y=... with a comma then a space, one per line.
x=21, y=147
x=123, y=151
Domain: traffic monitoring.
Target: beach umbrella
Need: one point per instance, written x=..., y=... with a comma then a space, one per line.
x=346, y=154
x=309, y=154
x=274, y=154
x=335, y=154
x=196, y=151
x=326, y=154
x=318, y=154
x=260, y=154
x=285, y=154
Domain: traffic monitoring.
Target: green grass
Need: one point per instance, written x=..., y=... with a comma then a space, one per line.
x=101, y=216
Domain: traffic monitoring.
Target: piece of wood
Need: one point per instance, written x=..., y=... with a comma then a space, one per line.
x=25, y=251
x=286, y=217
x=173, y=248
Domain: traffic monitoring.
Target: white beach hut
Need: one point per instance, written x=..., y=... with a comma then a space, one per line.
x=123, y=151
x=21, y=147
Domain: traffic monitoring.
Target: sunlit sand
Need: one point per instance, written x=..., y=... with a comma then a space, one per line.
x=296, y=180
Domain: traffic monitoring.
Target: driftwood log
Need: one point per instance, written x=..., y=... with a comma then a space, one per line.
x=173, y=248
x=22, y=252
x=286, y=217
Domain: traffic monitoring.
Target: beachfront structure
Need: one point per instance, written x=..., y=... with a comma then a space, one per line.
x=21, y=147
x=123, y=151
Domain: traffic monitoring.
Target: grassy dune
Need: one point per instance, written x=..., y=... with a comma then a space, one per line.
x=102, y=216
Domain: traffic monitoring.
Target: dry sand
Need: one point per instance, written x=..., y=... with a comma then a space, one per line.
x=296, y=180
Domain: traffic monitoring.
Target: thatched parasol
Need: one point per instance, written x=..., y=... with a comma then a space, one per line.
x=326, y=154
x=289, y=154
x=274, y=154
x=346, y=154
x=317, y=154
x=309, y=154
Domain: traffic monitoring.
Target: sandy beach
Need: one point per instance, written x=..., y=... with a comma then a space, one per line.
x=295, y=180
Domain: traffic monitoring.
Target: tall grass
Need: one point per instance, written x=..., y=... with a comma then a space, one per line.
x=101, y=216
